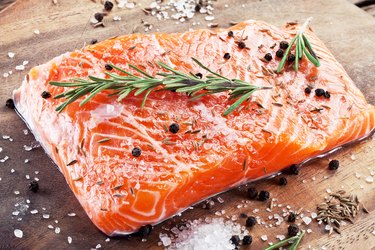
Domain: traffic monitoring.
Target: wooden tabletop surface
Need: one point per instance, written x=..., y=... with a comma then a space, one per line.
x=38, y=30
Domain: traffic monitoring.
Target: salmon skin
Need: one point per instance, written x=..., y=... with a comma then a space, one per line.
x=92, y=145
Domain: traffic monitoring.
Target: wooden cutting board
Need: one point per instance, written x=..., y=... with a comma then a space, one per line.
x=348, y=32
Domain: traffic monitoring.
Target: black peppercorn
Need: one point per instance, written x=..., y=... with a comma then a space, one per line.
x=293, y=230
x=241, y=45
x=199, y=75
x=280, y=53
x=252, y=193
x=226, y=56
x=235, y=239
x=46, y=94
x=145, y=230
x=10, y=104
x=136, y=152
x=333, y=165
x=251, y=221
x=291, y=58
x=292, y=170
x=264, y=195
x=284, y=45
x=108, y=5
x=319, y=92
x=108, y=67
x=197, y=8
x=307, y=90
x=247, y=240
x=93, y=41
x=34, y=186
x=327, y=94
x=283, y=181
x=292, y=217
x=174, y=128
x=230, y=33
x=99, y=16
x=268, y=57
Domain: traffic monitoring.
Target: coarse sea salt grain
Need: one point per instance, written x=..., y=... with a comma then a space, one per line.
x=11, y=54
x=280, y=237
x=264, y=237
x=369, y=179
x=57, y=230
x=98, y=246
x=18, y=233
x=46, y=216
x=71, y=214
x=69, y=240
x=34, y=211
x=20, y=67
x=306, y=220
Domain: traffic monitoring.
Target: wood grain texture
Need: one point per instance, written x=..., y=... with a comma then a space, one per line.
x=347, y=31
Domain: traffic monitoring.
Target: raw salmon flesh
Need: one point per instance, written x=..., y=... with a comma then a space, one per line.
x=92, y=145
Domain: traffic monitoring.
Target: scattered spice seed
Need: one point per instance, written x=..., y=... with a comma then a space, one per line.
x=283, y=181
x=46, y=94
x=280, y=53
x=99, y=16
x=241, y=45
x=34, y=186
x=247, y=240
x=230, y=33
x=104, y=140
x=264, y=195
x=235, y=239
x=251, y=221
x=108, y=5
x=292, y=217
x=319, y=92
x=252, y=193
x=293, y=230
x=10, y=104
x=108, y=67
x=93, y=41
x=333, y=165
x=174, y=128
x=145, y=230
x=268, y=57
x=227, y=56
x=291, y=58
x=136, y=152
x=72, y=162
x=284, y=44
x=307, y=90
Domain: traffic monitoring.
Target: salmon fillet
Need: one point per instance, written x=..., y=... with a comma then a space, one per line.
x=274, y=129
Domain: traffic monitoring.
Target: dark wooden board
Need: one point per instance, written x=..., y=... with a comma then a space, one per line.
x=348, y=32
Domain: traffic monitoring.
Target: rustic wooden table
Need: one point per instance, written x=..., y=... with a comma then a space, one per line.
x=37, y=30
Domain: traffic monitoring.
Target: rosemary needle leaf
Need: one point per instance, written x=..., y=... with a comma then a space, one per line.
x=237, y=103
x=95, y=91
x=145, y=97
x=297, y=241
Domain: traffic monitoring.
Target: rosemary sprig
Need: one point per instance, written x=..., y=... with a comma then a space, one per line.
x=174, y=80
x=302, y=47
x=295, y=239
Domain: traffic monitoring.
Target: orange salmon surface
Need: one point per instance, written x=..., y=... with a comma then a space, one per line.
x=211, y=153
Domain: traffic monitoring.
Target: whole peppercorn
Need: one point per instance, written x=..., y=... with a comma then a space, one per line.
x=283, y=181
x=319, y=92
x=293, y=169
x=252, y=193
x=268, y=57
x=230, y=33
x=251, y=221
x=145, y=230
x=93, y=41
x=327, y=94
x=99, y=16
x=307, y=90
x=108, y=67
x=108, y=5
x=293, y=230
x=136, y=152
x=333, y=165
x=235, y=239
x=264, y=195
x=197, y=8
x=226, y=56
x=174, y=128
x=241, y=45
x=46, y=94
x=284, y=45
x=34, y=186
x=199, y=75
x=10, y=104
x=292, y=217
x=247, y=240
x=280, y=53
x=291, y=58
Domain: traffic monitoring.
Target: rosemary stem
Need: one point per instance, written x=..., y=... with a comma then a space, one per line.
x=297, y=239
